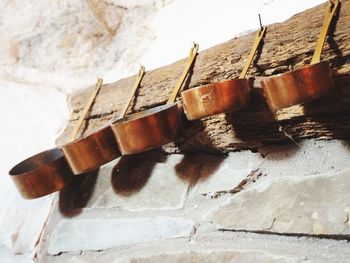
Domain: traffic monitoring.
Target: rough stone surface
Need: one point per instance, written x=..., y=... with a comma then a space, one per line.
x=229, y=173
x=90, y=234
x=138, y=181
x=243, y=191
x=159, y=207
x=67, y=44
x=306, y=158
x=219, y=247
x=214, y=256
x=292, y=160
x=6, y=256
x=317, y=205
x=134, y=183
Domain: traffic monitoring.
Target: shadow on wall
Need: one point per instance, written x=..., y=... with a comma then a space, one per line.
x=77, y=194
x=128, y=177
x=132, y=172
x=195, y=167
x=340, y=59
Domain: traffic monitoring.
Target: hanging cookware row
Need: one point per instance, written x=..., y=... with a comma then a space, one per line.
x=91, y=151
x=51, y=170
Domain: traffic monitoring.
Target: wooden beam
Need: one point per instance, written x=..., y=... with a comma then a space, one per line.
x=287, y=45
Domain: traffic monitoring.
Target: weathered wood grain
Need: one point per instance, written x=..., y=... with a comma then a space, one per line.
x=287, y=45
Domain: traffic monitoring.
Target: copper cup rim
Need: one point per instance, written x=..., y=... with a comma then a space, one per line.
x=21, y=169
x=294, y=71
x=214, y=85
x=86, y=137
x=143, y=114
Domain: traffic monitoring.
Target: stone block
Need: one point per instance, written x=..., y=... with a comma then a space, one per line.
x=101, y=233
x=147, y=181
x=214, y=256
x=314, y=205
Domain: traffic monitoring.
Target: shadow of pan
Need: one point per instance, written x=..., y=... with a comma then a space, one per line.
x=132, y=172
x=196, y=166
x=77, y=194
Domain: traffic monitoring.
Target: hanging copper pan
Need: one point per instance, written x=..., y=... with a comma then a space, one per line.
x=307, y=83
x=223, y=96
x=215, y=98
x=49, y=171
x=46, y=172
x=91, y=151
x=41, y=174
x=154, y=127
x=148, y=129
x=297, y=86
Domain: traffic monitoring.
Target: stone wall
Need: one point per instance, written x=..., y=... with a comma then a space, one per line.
x=286, y=203
x=272, y=203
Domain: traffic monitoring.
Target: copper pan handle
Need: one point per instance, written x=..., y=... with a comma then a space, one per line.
x=331, y=8
x=258, y=38
x=132, y=93
x=92, y=98
x=192, y=55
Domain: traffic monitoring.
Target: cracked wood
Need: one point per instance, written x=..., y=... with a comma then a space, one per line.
x=287, y=45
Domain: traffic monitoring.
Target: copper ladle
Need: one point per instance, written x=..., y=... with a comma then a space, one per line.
x=307, y=83
x=91, y=151
x=154, y=127
x=223, y=96
x=41, y=174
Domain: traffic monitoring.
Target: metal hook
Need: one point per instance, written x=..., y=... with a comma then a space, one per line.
x=261, y=26
x=193, y=51
x=141, y=71
x=258, y=39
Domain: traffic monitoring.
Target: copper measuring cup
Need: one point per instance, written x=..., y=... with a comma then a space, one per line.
x=154, y=127
x=307, y=83
x=224, y=96
x=90, y=152
x=41, y=174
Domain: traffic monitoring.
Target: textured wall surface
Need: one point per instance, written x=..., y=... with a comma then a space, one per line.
x=286, y=203
x=49, y=49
